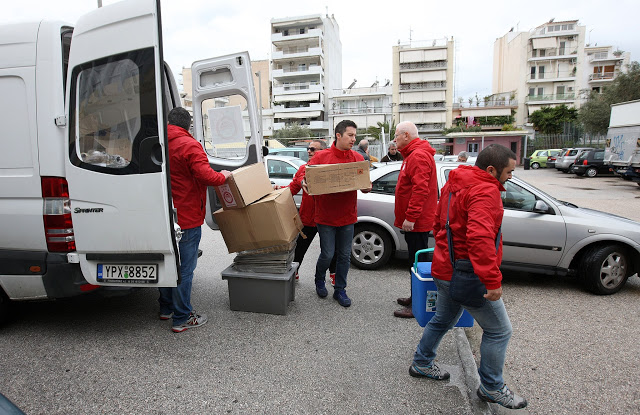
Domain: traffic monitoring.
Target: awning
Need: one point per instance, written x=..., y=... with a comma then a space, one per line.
x=485, y=112
x=301, y=114
x=545, y=43
x=310, y=96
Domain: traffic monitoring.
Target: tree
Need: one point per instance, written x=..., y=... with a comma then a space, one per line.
x=550, y=120
x=294, y=130
x=595, y=113
x=375, y=132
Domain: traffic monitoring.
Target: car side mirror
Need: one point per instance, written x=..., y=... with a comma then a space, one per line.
x=541, y=207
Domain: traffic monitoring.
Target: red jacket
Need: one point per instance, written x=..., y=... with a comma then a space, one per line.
x=417, y=188
x=307, y=206
x=190, y=176
x=475, y=216
x=336, y=209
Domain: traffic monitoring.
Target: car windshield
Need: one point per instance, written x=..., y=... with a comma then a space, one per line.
x=298, y=162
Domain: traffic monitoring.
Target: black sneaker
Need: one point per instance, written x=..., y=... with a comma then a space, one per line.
x=503, y=396
x=432, y=372
x=321, y=290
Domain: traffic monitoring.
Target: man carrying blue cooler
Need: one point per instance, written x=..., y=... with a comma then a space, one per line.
x=469, y=219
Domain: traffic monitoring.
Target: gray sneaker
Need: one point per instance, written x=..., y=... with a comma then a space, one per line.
x=432, y=372
x=504, y=396
x=195, y=320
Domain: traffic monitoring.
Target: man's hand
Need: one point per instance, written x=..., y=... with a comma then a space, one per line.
x=225, y=173
x=368, y=189
x=304, y=186
x=493, y=295
x=407, y=226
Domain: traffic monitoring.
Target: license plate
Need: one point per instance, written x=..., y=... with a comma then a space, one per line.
x=131, y=273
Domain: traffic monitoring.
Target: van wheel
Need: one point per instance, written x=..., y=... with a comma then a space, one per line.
x=592, y=172
x=535, y=166
x=5, y=305
x=605, y=269
x=371, y=246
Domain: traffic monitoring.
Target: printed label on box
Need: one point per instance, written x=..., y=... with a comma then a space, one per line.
x=431, y=300
x=227, y=196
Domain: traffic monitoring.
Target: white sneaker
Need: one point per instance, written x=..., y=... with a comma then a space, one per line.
x=195, y=320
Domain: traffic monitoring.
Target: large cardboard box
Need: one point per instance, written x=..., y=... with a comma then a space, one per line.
x=271, y=221
x=335, y=178
x=244, y=186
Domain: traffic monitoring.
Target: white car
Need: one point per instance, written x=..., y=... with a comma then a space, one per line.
x=281, y=170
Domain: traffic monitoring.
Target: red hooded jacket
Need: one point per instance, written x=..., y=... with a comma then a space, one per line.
x=417, y=188
x=336, y=209
x=307, y=206
x=475, y=216
x=190, y=176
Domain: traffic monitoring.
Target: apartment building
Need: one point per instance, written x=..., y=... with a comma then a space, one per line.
x=366, y=106
x=423, y=84
x=306, y=65
x=550, y=65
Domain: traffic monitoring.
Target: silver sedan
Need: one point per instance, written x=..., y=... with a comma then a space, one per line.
x=540, y=233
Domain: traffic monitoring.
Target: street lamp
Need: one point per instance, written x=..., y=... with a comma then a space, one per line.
x=259, y=75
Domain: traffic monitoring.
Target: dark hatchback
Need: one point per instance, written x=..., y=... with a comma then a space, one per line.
x=591, y=163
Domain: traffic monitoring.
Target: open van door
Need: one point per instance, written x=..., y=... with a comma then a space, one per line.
x=116, y=164
x=225, y=116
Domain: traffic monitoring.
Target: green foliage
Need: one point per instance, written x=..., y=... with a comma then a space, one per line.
x=509, y=127
x=595, y=113
x=294, y=130
x=550, y=120
x=375, y=132
x=461, y=128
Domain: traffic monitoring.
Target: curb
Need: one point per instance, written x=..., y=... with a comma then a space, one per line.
x=470, y=372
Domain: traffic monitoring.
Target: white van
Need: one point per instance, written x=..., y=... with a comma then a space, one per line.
x=85, y=198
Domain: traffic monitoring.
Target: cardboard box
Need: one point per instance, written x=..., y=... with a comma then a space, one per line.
x=244, y=186
x=335, y=178
x=271, y=221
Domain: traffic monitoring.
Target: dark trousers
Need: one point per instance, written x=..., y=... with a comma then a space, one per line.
x=302, y=245
x=415, y=242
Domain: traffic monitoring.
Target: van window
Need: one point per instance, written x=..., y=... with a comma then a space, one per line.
x=66, y=47
x=113, y=112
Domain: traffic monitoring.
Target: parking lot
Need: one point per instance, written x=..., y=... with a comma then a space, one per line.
x=571, y=352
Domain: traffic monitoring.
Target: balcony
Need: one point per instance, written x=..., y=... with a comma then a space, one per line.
x=358, y=111
x=300, y=87
x=422, y=66
x=604, y=76
x=510, y=103
x=557, y=53
x=430, y=127
x=605, y=56
x=294, y=34
x=423, y=106
x=314, y=106
x=296, y=71
x=540, y=99
x=541, y=77
x=431, y=85
x=300, y=52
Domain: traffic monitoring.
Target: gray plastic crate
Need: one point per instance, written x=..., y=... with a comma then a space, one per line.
x=260, y=293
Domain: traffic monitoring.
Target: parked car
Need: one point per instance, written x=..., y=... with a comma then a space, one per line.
x=281, y=170
x=299, y=152
x=564, y=162
x=591, y=163
x=551, y=160
x=540, y=233
x=539, y=157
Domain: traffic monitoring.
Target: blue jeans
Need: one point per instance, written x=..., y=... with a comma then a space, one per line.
x=496, y=332
x=178, y=299
x=335, y=239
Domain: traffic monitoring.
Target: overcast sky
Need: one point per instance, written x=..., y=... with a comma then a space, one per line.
x=198, y=29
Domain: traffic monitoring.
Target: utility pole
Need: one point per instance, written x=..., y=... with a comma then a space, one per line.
x=259, y=75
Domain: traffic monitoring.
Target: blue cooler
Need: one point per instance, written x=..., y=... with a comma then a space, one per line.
x=424, y=294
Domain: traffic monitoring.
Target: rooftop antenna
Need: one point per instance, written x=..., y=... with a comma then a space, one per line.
x=352, y=84
x=410, y=32
x=326, y=8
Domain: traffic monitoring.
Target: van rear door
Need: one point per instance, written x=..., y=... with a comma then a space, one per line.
x=225, y=116
x=116, y=158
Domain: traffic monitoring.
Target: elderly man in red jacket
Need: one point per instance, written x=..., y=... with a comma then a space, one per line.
x=416, y=196
x=335, y=215
x=472, y=208
x=190, y=176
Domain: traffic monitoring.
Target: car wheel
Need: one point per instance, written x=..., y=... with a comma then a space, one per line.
x=592, y=172
x=371, y=246
x=605, y=269
x=535, y=166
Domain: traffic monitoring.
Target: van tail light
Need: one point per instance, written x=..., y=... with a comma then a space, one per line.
x=584, y=163
x=56, y=212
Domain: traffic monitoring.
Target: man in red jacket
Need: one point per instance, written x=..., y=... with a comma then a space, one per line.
x=307, y=211
x=416, y=196
x=190, y=175
x=475, y=217
x=335, y=215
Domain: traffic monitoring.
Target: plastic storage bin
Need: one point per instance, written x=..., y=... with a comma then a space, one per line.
x=424, y=294
x=260, y=293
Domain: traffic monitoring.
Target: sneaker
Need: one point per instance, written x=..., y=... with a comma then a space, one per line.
x=332, y=277
x=195, y=320
x=165, y=316
x=341, y=296
x=297, y=276
x=321, y=290
x=503, y=396
x=432, y=372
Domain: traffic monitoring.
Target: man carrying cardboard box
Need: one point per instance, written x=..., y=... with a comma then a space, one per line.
x=190, y=176
x=335, y=215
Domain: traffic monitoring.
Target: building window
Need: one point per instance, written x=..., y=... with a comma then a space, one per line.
x=540, y=72
x=562, y=46
x=472, y=147
x=533, y=72
x=560, y=90
x=541, y=91
x=532, y=92
x=534, y=53
x=543, y=53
